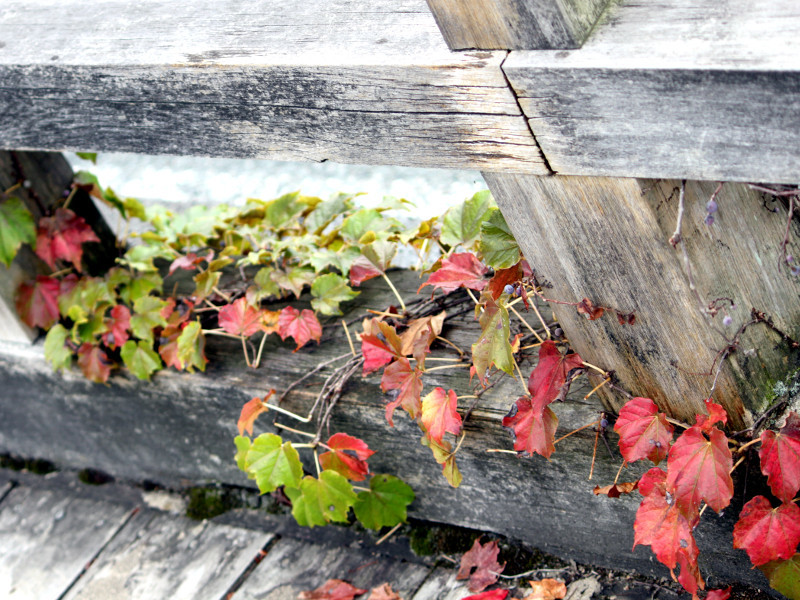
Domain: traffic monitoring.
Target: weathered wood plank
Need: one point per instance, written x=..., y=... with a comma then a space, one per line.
x=442, y=585
x=516, y=24
x=674, y=89
x=353, y=82
x=47, y=539
x=612, y=247
x=179, y=429
x=291, y=567
x=157, y=555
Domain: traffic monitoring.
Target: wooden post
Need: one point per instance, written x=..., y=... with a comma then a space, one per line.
x=516, y=24
x=607, y=239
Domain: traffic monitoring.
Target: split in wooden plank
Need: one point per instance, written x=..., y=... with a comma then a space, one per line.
x=48, y=538
x=608, y=240
x=671, y=89
x=516, y=24
x=291, y=567
x=373, y=84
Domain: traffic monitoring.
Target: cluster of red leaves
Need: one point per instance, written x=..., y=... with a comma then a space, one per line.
x=241, y=319
x=531, y=421
x=61, y=237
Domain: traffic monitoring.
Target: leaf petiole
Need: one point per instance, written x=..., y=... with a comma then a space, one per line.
x=288, y=413
x=744, y=447
x=394, y=290
x=443, y=367
x=293, y=430
x=524, y=322
x=316, y=462
x=349, y=339
x=563, y=437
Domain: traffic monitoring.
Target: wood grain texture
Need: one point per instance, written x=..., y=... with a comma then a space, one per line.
x=607, y=239
x=442, y=585
x=672, y=89
x=516, y=24
x=346, y=81
x=291, y=567
x=47, y=539
x=179, y=428
x=157, y=555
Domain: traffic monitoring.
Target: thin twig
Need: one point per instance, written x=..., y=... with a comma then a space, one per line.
x=563, y=437
x=597, y=387
x=443, y=367
x=524, y=322
x=388, y=534
x=349, y=339
x=622, y=466
x=293, y=430
x=394, y=291
x=451, y=344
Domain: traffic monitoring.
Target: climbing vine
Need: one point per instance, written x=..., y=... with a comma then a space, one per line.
x=213, y=272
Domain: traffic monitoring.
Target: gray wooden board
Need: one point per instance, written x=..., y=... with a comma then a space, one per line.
x=292, y=566
x=671, y=88
x=369, y=83
x=442, y=585
x=516, y=24
x=158, y=555
x=47, y=538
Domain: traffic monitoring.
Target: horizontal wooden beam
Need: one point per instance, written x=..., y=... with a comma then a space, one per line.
x=691, y=89
x=352, y=82
x=516, y=24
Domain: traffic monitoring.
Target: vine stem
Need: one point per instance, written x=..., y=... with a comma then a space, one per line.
x=748, y=444
x=72, y=193
x=597, y=387
x=563, y=437
x=288, y=413
x=594, y=454
x=260, y=350
x=293, y=430
x=596, y=368
x=738, y=462
x=619, y=471
x=678, y=423
x=224, y=296
x=349, y=339
x=246, y=355
x=451, y=344
x=521, y=378
x=12, y=188
x=501, y=450
x=220, y=333
x=541, y=320
x=388, y=533
x=437, y=359
x=443, y=367
x=316, y=462
x=394, y=290
x=304, y=446
x=524, y=322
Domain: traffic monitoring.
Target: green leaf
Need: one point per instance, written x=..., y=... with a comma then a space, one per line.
x=205, y=284
x=359, y=223
x=243, y=445
x=462, y=224
x=140, y=286
x=329, y=291
x=191, y=346
x=325, y=212
x=56, y=351
x=784, y=576
x=140, y=358
x=341, y=259
x=89, y=328
x=147, y=316
x=16, y=228
x=385, y=504
x=140, y=258
x=85, y=178
x=273, y=462
x=92, y=156
x=497, y=245
x=282, y=209
x=493, y=346
x=320, y=501
x=294, y=280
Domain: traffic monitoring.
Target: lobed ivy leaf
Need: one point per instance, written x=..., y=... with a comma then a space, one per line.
x=191, y=347
x=498, y=247
x=147, y=315
x=94, y=363
x=375, y=259
x=117, y=325
x=493, y=347
x=426, y=327
x=301, y=326
x=510, y=276
x=205, y=282
x=273, y=463
x=328, y=292
x=325, y=212
x=533, y=426
x=716, y=414
x=444, y=455
x=458, y=270
x=250, y=412
x=320, y=501
x=347, y=456
x=551, y=372
x=37, y=302
x=767, y=533
x=294, y=279
x=61, y=237
x=408, y=382
x=440, y=414
x=643, y=431
x=243, y=445
x=380, y=345
x=480, y=565
x=56, y=351
x=136, y=287
x=333, y=589
x=16, y=228
x=385, y=504
x=140, y=358
x=462, y=224
x=780, y=458
x=239, y=318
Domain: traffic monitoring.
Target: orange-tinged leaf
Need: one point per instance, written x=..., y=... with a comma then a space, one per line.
x=363, y=270
x=333, y=589
x=270, y=321
x=408, y=382
x=480, y=565
x=504, y=277
x=767, y=533
x=426, y=328
x=780, y=458
x=94, y=363
x=302, y=326
x=347, y=456
x=716, y=414
x=615, y=490
x=250, y=412
x=643, y=431
x=533, y=427
x=61, y=236
x=380, y=345
x=239, y=318
x=189, y=262
x=458, y=270
x=440, y=414
x=37, y=302
x=699, y=470
x=384, y=592
x=551, y=373
x=547, y=589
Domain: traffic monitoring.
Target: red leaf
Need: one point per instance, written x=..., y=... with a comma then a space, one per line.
x=118, y=324
x=302, y=326
x=458, y=270
x=780, y=458
x=615, y=490
x=722, y=594
x=588, y=308
x=533, y=426
x=699, y=470
x=400, y=376
x=716, y=414
x=767, y=533
x=380, y=345
x=250, y=412
x=37, y=303
x=421, y=333
x=363, y=270
x=94, y=363
x=240, y=318
x=660, y=525
x=347, y=456
x=480, y=565
x=333, y=589
x=643, y=431
x=189, y=262
x=490, y=595
x=61, y=236
x=504, y=277
x=550, y=373
x=440, y=414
